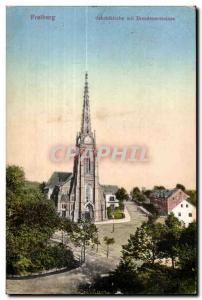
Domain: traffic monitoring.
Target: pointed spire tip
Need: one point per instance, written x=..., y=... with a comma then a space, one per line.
x=86, y=76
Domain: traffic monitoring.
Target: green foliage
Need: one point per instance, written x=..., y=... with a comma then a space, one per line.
x=154, y=241
x=115, y=213
x=57, y=256
x=134, y=191
x=169, y=243
x=32, y=185
x=108, y=241
x=31, y=221
x=180, y=186
x=192, y=196
x=83, y=234
x=42, y=186
x=125, y=277
x=15, y=179
x=151, y=208
x=148, y=279
x=96, y=241
x=147, y=193
x=139, y=272
x=143, y=245
x=121, y=205
x=188, y=249
x=137, y=195
x=122, y=194
x=159, y=187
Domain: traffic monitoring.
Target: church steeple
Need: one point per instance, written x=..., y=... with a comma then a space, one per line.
x=85, y=123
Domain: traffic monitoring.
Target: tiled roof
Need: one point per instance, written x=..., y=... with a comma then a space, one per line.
x=58, y=178
x=162, y=193
x=109, y=189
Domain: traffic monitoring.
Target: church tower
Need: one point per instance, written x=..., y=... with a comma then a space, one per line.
x=85, y=191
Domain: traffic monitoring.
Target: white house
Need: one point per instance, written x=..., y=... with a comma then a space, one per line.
x=185, y=212
x=111, y=200
x=110, y=195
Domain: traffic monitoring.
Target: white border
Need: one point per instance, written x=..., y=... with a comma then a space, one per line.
x=3, y=5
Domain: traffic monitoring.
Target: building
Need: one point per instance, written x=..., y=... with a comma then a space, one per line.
x=110, y=195
x=175, y=201
x=78, y=195
x=185, y=212
x=55, y=190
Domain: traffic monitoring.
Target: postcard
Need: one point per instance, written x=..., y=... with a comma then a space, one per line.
x=101, y=169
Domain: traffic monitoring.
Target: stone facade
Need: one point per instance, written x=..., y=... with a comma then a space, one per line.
x=80, y=196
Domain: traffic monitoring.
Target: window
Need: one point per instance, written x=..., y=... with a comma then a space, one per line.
x=111, y=198
x=187, y=205
x=190, y=214
x=64, y=206
x=88, y=163
x=181, y=205
x=179, y=214
x=88, y=193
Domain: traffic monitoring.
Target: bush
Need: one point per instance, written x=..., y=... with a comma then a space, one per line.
x=50, y=257
x=116, y=212
x=56, y=256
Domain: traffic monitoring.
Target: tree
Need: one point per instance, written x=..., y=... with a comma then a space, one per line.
x=147, y=193
x=108, y=241
x=188, y=249
x=42, y=186
x=169, y=244
x=143, y=245
x=122, y=194
x=83, y=234
x=96, y=241
x=31, y=221
x=192, y=196
x=180, y=186
x=134, y=191
x=125, y=277
x=15, y=179
x=159, y=187
x=137, y=195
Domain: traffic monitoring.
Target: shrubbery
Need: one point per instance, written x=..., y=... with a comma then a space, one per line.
x=31, y=221
x=117, y=213
x=140, y=270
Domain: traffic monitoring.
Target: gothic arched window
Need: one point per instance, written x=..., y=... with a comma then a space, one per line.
x=88, y=193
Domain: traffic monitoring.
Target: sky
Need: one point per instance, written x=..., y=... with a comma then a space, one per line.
x=142, y=79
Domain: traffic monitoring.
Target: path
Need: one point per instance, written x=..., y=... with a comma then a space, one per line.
x=96, y=263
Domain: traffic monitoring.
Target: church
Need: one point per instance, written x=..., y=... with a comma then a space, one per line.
x=79, y=195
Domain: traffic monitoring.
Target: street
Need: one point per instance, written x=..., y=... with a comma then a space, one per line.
x=96, y=263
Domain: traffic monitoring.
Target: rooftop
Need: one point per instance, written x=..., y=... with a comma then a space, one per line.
x=162, y=193
x=59, y=178
x=110, y=189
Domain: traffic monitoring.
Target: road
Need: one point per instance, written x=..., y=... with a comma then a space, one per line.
x=96, y=263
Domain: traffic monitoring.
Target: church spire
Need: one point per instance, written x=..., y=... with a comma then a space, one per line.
x=85, y=123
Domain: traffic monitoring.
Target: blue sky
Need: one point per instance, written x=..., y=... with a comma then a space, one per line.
x=142, y=86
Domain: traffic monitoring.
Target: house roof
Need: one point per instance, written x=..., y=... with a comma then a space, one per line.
x=185, y=201
x=58, y=178
x=163, y=193
x=109, y=189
